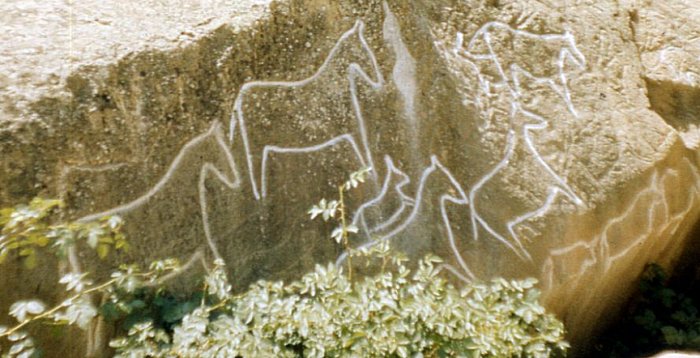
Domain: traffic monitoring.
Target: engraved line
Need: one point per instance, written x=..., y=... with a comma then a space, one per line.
x=354, y=71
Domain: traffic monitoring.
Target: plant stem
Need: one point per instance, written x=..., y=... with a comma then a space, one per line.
x=57, y=308
x=384, y=262
x=343, y=223
x=60, y=306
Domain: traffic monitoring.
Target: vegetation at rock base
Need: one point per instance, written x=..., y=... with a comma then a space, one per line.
x=392, y=311
x=26, y=228
x=395, y=313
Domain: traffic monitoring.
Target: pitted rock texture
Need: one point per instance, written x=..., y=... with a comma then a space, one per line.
x=668, y=37
x=512, y=138
x=43, y=42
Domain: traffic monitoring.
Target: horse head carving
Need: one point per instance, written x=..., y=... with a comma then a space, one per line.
x=310, y=114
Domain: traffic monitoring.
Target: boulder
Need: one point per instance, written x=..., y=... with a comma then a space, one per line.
x=513, y=138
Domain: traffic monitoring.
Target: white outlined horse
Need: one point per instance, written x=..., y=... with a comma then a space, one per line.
x=285, y=136
x=504, y=230
x=395, y=180
x=506, y=62
x=222, y=168
x=228, y=175
x=429, y=195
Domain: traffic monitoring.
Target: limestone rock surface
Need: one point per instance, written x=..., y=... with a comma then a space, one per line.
x=512, y=138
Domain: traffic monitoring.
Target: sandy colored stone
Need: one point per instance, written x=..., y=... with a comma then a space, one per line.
x=668, y=37
x=512, y=138
x=43, y=42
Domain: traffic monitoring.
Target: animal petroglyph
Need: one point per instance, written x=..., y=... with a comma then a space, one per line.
x=647, y=215
x=281, y=135
x=427, y=197
x=395, y=180
x=502, y=49
x=504, y=228
x=323, y=110
x=227, y=175
x=497, y=45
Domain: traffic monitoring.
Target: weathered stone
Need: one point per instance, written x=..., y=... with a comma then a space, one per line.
x=512, y=138
x=667, y=35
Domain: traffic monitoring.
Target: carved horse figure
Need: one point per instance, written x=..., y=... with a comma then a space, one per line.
x=435, y=183
x=206, y=155
x=504, y=230
x=269, y=116
x=506, y=63
x=192, y=155
x=391, y=191
x=498, y=52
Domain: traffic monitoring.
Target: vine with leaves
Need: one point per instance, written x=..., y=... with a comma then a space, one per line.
x=27, y=229
x=328, y=209
x=326, y=313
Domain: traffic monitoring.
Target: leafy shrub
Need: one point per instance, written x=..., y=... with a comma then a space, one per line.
x=78, y=308
x=164, y=308
x=394, y=313
x=26, y=228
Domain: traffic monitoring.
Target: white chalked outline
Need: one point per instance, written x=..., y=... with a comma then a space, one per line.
x=406, y=201
x=571, y=52
x=435, y=166
x=600, y=242
x=275, y=149
x=354, y=71
x=561, y=187
x=598, y=248
x=67, y=169
x=206, y=169
x=674, y=220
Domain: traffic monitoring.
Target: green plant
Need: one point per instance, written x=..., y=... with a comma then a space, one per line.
x=665, y=313
x=163, y=308
x=327, y=313
x=26, y=228
x=397, y=313
x=78, y=308
x=329, y=209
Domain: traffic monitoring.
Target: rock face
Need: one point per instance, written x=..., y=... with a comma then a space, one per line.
x=513, y=138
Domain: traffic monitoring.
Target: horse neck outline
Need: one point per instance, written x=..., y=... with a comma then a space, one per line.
x=207, y=168
x=359, y=216
x=354, y=71
x=462, y=199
